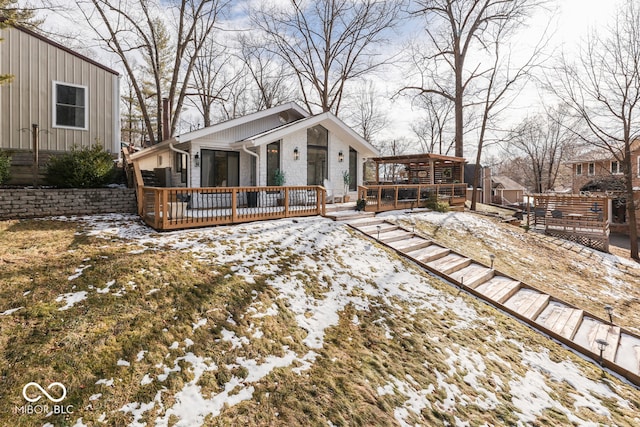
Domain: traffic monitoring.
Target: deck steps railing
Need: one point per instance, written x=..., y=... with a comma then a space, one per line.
x=570, y=325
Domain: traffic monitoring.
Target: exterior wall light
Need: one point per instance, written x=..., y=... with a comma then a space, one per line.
x=296, y=154
x=340, y=156
x=196, y=160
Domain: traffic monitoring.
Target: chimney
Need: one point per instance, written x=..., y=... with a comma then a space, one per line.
x=165, y=118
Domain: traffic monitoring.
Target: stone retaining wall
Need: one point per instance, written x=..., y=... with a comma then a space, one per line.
x=34, y=203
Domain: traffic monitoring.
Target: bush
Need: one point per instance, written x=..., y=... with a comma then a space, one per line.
x=435, y=204
x=5, y=164
x=81, y=168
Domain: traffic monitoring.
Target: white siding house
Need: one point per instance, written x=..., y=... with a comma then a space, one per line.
x=248, y=150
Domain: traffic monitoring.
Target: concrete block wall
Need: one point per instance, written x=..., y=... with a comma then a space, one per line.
x=34, y=202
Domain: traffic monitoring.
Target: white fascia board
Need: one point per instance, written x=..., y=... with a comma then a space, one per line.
x=328, y=120
x=190, y=136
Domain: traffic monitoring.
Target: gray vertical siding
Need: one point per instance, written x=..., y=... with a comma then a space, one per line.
x=35, y=64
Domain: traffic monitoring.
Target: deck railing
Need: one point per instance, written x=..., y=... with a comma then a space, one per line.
x=580, y=219
x=176, y=208
x=404, y=196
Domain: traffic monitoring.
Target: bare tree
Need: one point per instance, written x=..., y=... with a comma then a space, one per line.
x=272, y=79
x=501, y=79
x=328, y=42
x=365, y=111
x=133, y=29
x=455, y=28
x=434, y=131
x=212, y=81
x=543, y=142
x=603, y=88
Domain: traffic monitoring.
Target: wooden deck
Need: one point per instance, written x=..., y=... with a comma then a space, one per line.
x=581, y=219
x=561, y=321
x=178, y=208
x=380, y=198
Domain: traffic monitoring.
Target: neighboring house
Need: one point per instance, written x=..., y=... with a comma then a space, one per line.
x=247, y=151
x=74, y=100
x=598, y=172
x=506, y=191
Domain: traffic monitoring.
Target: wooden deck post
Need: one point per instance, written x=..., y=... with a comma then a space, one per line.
x=165, y=204
x=234, y=205
x=286, y=202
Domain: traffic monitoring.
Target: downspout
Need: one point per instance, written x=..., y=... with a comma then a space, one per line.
x=251, y=153
x=172, y=148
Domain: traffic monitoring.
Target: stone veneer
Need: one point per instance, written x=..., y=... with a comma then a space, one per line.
x=35, y=202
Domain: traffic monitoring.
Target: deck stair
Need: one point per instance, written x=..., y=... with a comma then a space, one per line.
x=565, y=323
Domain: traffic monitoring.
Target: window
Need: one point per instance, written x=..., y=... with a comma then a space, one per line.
x=220, y=168
x=181, y=166
x=317, y=154
x=615, y=167
x=579, y=169
x=273, y=162
x=592, y=168
x=70, y=106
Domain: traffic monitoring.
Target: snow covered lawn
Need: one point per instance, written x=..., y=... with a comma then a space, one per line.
x=289, y=322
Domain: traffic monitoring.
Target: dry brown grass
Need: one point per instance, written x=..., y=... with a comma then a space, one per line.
x=83, y=344
x=568, y=271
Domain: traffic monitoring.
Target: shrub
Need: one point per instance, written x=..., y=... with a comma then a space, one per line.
x=361, y=204
x=5, y=164
x=81, y=168
x=435, y=204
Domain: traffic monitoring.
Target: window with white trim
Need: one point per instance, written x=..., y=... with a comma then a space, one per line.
x=70, y=106
x=616, y=169
x=579, y=169
x=592, y=169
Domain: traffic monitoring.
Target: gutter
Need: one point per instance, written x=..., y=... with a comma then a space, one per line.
x=251, y=153
x=172, y=148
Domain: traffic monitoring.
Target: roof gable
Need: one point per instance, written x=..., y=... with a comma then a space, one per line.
x=286, y=113
x=61, y=47
x=327, y=119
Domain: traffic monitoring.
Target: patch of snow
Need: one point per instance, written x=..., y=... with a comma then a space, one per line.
x=71, y=299
x=95, y=396
x=236, y=342
x=105, y=290
x=123, y=363
x=78, y=272
x=140, y=355
x=107, y=383
x=200, y=323
x=10, y=311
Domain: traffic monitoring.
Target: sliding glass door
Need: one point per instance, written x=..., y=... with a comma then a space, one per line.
x=220, y=168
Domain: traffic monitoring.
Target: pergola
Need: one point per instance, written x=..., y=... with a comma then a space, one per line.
x=426, y=168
